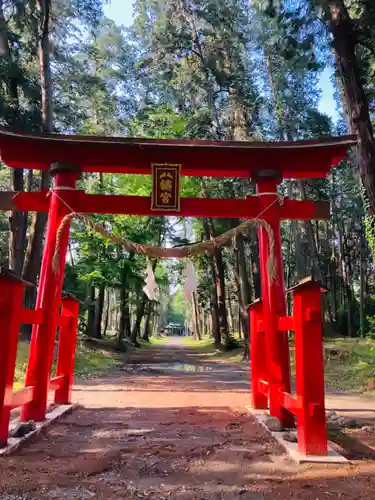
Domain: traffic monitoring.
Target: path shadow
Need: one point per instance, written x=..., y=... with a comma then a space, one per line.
x=175, y=453
x=174, y=446
x=351, y=447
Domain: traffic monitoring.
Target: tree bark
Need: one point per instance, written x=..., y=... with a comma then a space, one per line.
x=91, y=313
x=106, y=316
x=124, y=327
x=255, y=265
x=125, y=323
x=146, y=326
x=35, y=244
x=245, y=292
x=219, y=277
x=44, y=7
x=232, y=324
x=99, y=305
x=136, y=331
x=17, y=220
x=345, y=40
x=333, y=273
x=17, y=228
x=215, y=323
x=197, y=325
x=311, y=239
x=362, y=279
x=215, y=310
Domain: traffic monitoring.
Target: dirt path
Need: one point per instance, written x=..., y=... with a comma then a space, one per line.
x=154, y=432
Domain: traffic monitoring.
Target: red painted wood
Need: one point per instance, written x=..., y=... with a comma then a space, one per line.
x=260, y=326
x=37, y=201
x=263, y=387
x=286, y=323
x=302, y=159
x=67, y=348
x=258, y=357
x=49, y=293
x=31, y=316
x=22, y=397
x=308, y=339
x=64, y=321
x=190, y=207
x=57, y=383
x=291, y=403
x=273, y=299
x=11, y=296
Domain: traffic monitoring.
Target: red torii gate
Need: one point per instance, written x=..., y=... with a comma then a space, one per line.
x=266, y=163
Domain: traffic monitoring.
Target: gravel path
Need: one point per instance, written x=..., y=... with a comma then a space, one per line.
x=152, y=431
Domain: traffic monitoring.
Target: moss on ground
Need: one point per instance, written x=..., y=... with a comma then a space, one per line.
x=90, y=361
x=351, y=367
x=21, y=365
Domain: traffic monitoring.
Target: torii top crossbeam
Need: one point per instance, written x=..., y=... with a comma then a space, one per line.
x=298, y=159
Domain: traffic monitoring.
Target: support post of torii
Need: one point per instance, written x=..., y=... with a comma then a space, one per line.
x=273, y=299
x=49, y=293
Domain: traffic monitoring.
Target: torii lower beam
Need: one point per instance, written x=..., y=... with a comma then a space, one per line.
x=247, y=208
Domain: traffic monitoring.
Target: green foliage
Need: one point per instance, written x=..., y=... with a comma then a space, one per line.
x=353, y=369
x=88, y=362
x=370, y=232
x=177, y=308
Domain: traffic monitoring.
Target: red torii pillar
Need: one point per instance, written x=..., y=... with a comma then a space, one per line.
x=49, y=292
x=273, y=298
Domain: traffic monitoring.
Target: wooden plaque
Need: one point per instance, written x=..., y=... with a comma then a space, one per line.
x=165, y=187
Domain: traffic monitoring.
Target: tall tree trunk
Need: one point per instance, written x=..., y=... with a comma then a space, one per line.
x=245, y=291
x=197, y=326
x=333, y=274
x=340, y=235
x=106, y=316
x=215, y=323
x=141, y=307
x=99, y=305
x=362, y=284
x=345, y=39
x=350, y=301
x=125, y=326
x=35, y=244
x=333, y=260
x=146, y=326
x=91, y=313
x=17, y=228
x=311, y=239
x=232, y=324
x=255, y=265
x=346, y=282
x=138, y=318
x=17, y=220
x=219, y=268
x=204, y=322
x=44, y=7
x=214, y=297
x=206, y=67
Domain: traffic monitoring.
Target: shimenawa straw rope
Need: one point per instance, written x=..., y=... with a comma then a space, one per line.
x=167, y=253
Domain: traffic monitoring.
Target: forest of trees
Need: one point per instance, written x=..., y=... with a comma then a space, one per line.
x=205, y=69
